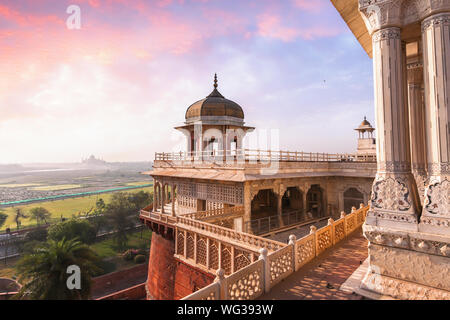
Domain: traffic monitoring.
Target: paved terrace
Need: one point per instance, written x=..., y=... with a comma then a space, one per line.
x=321, y=278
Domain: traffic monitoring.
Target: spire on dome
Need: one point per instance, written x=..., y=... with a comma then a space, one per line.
x=215, y=93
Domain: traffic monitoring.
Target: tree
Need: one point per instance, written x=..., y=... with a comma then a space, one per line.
x=40, y=214
x=38, y=234
x=119, y=214
x=18, y=216
x=43, y=272
x=3, y=217
x=71, y=229
x=140, y=199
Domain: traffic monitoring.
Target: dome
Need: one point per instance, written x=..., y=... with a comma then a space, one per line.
x=365, y=125
x=214, y=105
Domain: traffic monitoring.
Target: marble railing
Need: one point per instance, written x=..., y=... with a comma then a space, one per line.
x=215, y=213
x=210, y=247
x=244, y=155
x=271, y=268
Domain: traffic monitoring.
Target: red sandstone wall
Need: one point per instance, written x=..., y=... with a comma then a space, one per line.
x=189, y=280
x=134, y=293
x=109, y=280
x=161, y=269
x=168, y=278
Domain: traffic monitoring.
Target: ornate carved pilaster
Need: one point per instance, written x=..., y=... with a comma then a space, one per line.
x=417, y=126
x=436, y=210
x=394, y=196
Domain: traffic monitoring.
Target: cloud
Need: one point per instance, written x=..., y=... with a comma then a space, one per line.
x=117, y=87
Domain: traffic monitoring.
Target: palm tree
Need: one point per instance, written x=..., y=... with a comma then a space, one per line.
x=19, y=215
x=40, y=214
x=43, y=272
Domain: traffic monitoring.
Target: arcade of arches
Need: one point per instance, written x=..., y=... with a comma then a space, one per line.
x=318, y=198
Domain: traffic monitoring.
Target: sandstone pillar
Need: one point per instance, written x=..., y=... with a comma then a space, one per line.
x=436, y=51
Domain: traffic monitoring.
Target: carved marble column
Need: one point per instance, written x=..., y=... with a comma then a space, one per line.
x=393, y=202
x=436, y=51
x=172, y=194
x=163, y=197
x=417, y=126
x=155, y=199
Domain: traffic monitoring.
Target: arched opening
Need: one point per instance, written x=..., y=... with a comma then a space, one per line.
x=352, y=198
x=292, y=206
x=233, y=146
x=314, y=202
x=292, y=200
x=264, y=204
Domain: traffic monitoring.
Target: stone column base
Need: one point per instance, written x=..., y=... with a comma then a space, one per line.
x=407, y=265
x=376, y=285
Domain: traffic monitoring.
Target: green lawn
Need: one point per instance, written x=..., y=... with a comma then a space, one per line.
x=66, y=207
x=57, y=187
x=107, y=248
x=111, y=257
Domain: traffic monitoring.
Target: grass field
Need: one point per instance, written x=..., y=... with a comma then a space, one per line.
x=139, y=183
x=57, y=187
x=66, y=207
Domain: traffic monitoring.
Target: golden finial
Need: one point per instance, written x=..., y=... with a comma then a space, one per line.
x=215, y=81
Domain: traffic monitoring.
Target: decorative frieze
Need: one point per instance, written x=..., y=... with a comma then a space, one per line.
x=408, y=241
x=386, y=34
x=436, y=21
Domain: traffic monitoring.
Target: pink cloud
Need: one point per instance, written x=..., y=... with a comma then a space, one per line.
x=310, y=5
x=270, y=26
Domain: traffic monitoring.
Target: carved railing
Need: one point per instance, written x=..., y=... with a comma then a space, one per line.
x=210, y=247
x=216, y=213
x=270, y=269
x=211, y=253
x=245, y=239
x=266, y=225
x=261, y=156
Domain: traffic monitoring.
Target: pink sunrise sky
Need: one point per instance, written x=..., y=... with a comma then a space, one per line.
x=116, y=87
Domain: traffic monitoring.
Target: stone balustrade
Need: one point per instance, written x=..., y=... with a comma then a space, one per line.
x=216, y=213
x=244, y=155
x=262, y=275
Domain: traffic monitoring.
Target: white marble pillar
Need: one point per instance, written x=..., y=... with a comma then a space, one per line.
x=436, y=54
x=393, y=202
x=417, y=126
x=163, y=198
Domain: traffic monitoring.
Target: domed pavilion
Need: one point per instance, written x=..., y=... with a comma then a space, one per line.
x=214, y=125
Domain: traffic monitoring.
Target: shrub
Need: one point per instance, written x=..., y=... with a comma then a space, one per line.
x=71, y=229
x=105, y=267
x=139, y=258
x=130, y=254
x=39, y=234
